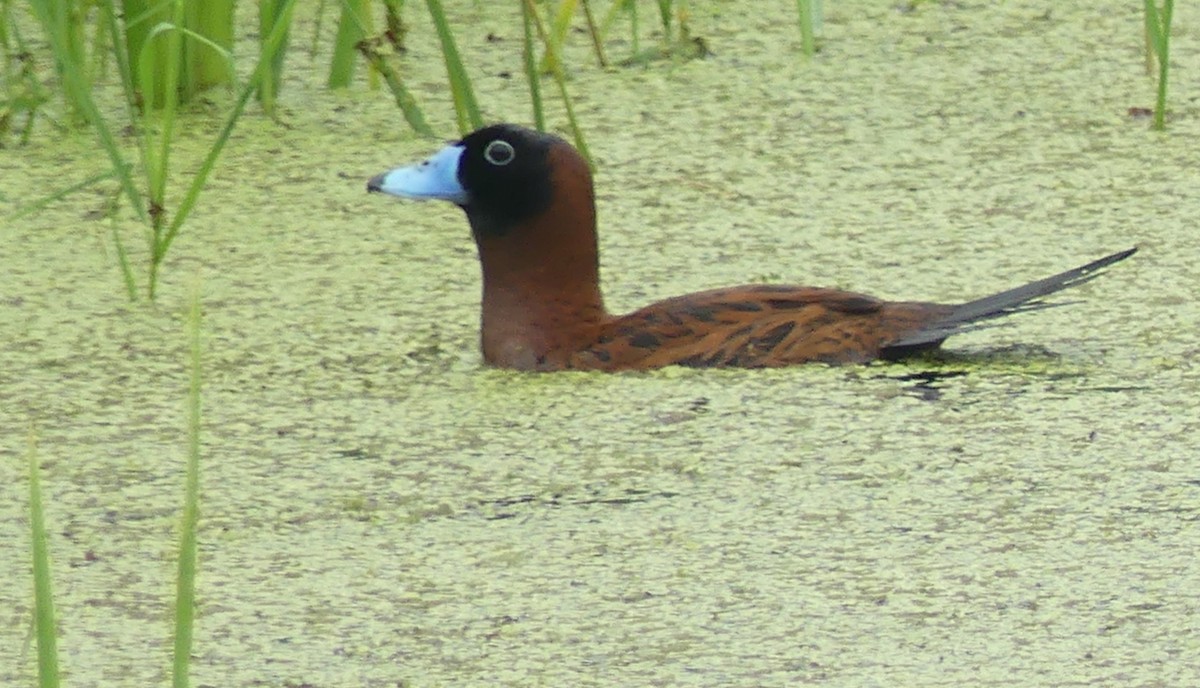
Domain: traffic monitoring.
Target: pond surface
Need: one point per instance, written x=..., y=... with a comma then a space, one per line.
x=379, y=509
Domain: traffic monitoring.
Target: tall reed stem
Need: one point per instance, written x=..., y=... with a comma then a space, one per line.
x=185, y=584
x=46, y=630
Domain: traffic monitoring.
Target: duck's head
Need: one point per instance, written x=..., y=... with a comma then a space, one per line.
x=528, y=197
x=504, y=176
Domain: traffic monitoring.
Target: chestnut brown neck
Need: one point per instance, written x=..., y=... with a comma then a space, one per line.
x=541, y=278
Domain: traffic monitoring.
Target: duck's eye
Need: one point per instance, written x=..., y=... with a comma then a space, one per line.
x=499, y=152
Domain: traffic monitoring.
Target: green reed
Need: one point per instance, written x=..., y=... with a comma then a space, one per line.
x=373, y=51
x=370, y=50
x=628, y=7
x=185, y=583
x=75, y=82
x=1158, y=47
x=175, y=70
x=677, y=42
x=150, y=71
x=64, y=28
x=37, y=205
x=45, y=628
x=594, y=34
x=165, y=51
x=532, y=76
x=164, y=232
x=271, y=13
x=560, y=79
x=184, y=605
x=466, y=109
x=354, y=25
x=810, y=22
x=205, y=63
x=23, y=94
x=557, y=33
x=153, y=66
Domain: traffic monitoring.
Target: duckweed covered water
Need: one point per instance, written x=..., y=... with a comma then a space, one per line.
x=379, y=509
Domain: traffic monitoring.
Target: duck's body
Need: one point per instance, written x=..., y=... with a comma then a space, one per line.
x=750, y=327
x=529, y=199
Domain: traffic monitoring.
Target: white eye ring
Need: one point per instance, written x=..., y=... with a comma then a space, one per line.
x=499, y=152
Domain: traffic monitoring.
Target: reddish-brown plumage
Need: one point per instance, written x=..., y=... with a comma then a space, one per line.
x=529, y=199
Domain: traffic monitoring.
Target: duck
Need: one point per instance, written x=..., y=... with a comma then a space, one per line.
x=529, y=200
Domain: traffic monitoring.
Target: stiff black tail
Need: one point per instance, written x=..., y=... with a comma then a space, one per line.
x=973, y=315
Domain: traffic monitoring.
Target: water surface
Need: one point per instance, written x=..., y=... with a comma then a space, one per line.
x=380, y=509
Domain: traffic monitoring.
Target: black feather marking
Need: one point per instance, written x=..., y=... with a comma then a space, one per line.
x=788, y=304
x=744, y=306
x=856, y=304
x=771, y=339
x=701, y=313
x=644, y=340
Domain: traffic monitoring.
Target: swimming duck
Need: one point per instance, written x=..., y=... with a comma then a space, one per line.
x=528, y=197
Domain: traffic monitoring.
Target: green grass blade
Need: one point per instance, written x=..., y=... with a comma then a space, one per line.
x=531, y=70
x=185, y=589
x=629, y=6
x=1160, y=101
x=213, y=49
x=1153, y=27
x=77, y=83
x=561, y=81
x=268, y=88
x=125, y=172
x=404, y=99
x=37, y=205
x=23, y=89
x=158, y=68
x=558, y=33
x=62, y=24
x=156, y=65
x=1164, y=62
x=163, y=243
x=1158, y=36
x=808, y=44
x=354, y=25
x=396, y=28
x=664, y=14
x=594, y=32
x=43, y=594
x=211, y=21
x=137, y=18
x=78, y=88
x=465, y=107
x=610, y=17
x=125, y=70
